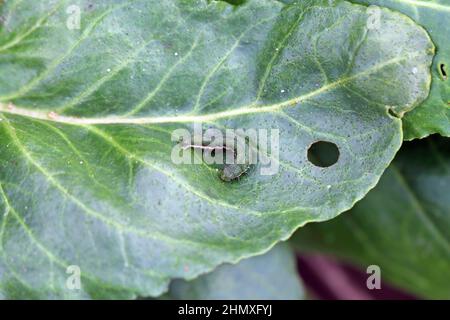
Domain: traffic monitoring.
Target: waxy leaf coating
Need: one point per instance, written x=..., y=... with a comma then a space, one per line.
x=271, y=276
x=402, y=225
x=86, y=174
x=433, y=116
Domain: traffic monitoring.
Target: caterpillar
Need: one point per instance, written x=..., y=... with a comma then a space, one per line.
x=229, y=172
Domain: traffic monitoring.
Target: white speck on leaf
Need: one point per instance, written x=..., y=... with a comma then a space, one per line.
x=52, y=115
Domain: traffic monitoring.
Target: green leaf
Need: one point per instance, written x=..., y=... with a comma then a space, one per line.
x=433, y=116
x=272, y=276
x=402, y=225
x=86, y=172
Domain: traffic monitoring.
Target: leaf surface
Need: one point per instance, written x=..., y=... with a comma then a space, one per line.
x=87, y=115
x=402, y=225
x=433, y=116
x=272, y=276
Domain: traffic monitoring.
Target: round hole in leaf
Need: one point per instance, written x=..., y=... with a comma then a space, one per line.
x=323, y=154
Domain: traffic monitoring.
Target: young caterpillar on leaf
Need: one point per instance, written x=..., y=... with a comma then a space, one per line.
x=230, y=171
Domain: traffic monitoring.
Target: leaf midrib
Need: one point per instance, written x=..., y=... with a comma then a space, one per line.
x=251, y=108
